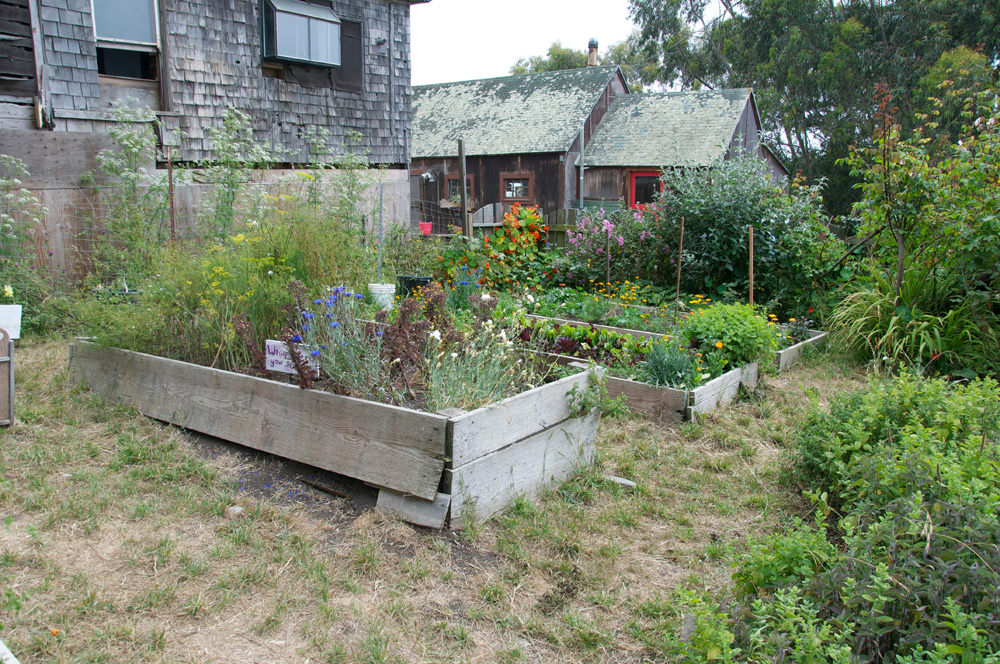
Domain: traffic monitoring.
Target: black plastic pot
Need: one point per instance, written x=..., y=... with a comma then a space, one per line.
x=408, y=284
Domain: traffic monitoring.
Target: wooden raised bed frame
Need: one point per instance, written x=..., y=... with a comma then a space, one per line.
x=783, y=359
x=431, y=469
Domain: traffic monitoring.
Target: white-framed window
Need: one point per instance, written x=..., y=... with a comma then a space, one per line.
x=126, y=21
x=301, y=32
x=128, y=38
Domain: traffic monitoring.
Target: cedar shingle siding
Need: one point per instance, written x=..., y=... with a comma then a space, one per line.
x=211, y=58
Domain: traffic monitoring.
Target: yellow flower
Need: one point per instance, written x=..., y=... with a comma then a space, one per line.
x=8, y=291
x=718, y=344
x=791, y=320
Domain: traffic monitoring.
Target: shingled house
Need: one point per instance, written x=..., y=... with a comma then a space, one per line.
x=343, y=65
x=522, y=134
x=644, y=133
x=522, y=137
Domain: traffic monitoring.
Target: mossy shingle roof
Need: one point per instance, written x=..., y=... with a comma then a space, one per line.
x=529, y=113
x=667, y=129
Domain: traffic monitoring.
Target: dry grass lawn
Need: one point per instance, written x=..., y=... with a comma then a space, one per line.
x=116, y=542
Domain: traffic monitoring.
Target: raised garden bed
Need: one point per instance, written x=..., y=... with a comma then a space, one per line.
x=666, y=404
x=432, y=469
x=783, y=359
x=789, y=357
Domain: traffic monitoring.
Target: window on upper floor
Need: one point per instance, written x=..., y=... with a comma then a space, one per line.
x=298, y=31
x=127, y=34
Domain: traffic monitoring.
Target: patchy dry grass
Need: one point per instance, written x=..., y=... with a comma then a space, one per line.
x=115, y=537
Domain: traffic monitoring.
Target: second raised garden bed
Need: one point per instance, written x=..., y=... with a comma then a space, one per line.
x=432, y=469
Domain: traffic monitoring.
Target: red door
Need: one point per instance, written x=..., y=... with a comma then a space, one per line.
x=643, y=188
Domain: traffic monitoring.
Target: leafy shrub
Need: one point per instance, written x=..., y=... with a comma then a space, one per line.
x=737, y=330
x=793, y=557
x=792, y=245
x=913, y=467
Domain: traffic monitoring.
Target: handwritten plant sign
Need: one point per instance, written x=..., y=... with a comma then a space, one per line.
x=277, y=358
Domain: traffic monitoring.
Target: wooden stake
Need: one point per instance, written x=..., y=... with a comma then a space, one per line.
x=607, y=261
x=170, y=190
x=466, y=221
x=680, y=252
x=751, y=266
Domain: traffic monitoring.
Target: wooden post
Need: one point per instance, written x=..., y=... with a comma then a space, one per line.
x=170, y=193
x=680, y=254
x=6, y=379
x=466, y=222
x=751, y=266
x=607, y=262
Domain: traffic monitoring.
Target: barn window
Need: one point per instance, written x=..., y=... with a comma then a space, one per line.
x=453, y=189
x=516, y=187
x=300, y=32
x=127, y=38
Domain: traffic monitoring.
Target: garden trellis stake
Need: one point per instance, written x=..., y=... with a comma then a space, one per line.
x=680, y=254
x=751, y=266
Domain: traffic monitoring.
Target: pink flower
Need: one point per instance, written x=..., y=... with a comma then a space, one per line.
x=621, y=241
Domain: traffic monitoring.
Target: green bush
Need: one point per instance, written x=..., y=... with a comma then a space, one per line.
x=912, y=465
x=737, y=330
x=793, y=247
x=793, y=557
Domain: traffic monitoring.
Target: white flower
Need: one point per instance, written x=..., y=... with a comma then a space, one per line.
x=436, y=335
x=531, y=299
x=486, y=296
x=454, y=355
x=503, y=334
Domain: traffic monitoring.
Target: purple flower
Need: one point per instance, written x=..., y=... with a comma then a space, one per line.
x=315, y=353
x=378, y=333
x=334, y=324
x=296, y=339
x=359, y=295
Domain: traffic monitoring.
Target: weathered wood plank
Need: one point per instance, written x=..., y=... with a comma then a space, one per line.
x=426, y=513
x=789, y=357
x=387, y=446
x=620, y=330
x=721, y=390
x=6, y=379
x=487, y=485
x=485, y=430
x=663, y=404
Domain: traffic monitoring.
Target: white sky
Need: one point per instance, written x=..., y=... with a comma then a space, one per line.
x=459, y=40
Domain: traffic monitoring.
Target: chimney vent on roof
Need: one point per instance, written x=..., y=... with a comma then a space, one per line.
x=592, y=60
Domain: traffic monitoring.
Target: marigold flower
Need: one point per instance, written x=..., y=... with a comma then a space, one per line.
x=718, y=344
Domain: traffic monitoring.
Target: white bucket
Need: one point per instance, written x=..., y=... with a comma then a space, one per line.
x=384, y=294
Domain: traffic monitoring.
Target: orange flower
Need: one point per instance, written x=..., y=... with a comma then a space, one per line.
x=718, y=344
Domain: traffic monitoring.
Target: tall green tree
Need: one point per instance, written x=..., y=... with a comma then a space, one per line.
x=815, y=64
x=557, y=59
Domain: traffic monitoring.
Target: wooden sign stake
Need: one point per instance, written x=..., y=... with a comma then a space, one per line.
x=751, y=266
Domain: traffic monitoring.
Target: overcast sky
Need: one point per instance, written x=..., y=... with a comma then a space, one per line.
x=458, y=40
